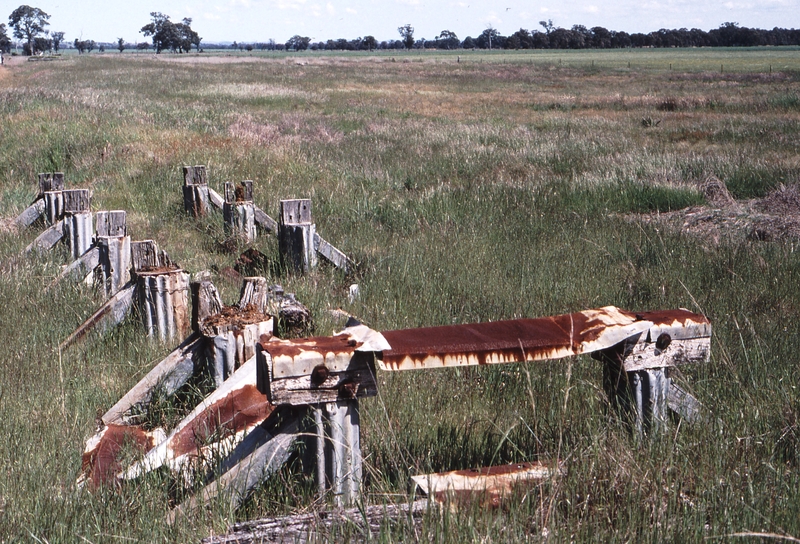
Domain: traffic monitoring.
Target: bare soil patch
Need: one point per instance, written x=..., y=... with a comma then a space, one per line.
x=774, y=217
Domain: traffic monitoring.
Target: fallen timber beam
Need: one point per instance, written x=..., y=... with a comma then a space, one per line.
x=49, y=238
x=167, y=376
x=332, y=254
x=317, y=526
x=265, y=450
x=31, y=214
x=81, y=267
x=111, y=313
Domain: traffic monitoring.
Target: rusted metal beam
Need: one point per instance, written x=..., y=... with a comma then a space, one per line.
x=101, y=457
x=546, y=338
x=488, y=485
x=225, y=416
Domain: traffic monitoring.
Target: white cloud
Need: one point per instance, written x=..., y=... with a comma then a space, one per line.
x=211, y=17
x=591, y=9
x=351, y=11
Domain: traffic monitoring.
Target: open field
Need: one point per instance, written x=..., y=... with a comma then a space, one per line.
x=502, y=185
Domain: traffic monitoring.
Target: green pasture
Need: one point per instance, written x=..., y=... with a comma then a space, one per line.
x=498, y=185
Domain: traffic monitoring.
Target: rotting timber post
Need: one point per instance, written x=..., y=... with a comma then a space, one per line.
x=239, y=211
x=296, y=233
x=115, y=250
x=162, y=292
x=195, y=190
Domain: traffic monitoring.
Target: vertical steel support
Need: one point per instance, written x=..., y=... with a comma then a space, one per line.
x=53, y=206
x=339, y=462
x=115, y=262
x=639, y=397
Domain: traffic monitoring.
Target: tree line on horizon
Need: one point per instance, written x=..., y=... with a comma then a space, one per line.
x=28, y=24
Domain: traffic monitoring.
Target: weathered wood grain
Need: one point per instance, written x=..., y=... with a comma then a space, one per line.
x=31, y=214
x=167, y=376
x=109, y=314
x=335, y=256
x=318, y=526
x=46, y=240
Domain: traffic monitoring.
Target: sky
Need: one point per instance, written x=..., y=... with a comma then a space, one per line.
x=250, y=21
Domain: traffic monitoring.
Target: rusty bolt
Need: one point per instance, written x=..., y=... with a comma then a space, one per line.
x=348, y=390
x=319, y=375
x=663, y=341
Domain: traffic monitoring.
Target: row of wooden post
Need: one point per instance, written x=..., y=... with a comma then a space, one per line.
x=298, y=241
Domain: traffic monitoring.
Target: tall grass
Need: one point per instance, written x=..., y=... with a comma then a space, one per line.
x=485, y=189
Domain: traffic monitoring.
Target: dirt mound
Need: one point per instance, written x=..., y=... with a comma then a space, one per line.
x=774, y=217
x=782, y=201
x=716, y=193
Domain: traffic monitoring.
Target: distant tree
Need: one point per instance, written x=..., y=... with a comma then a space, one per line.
x=121, y=44
x=177, y=37
x=298, y=43
x=407, y=35
x=57, y=38
x=447, y=40
x=28, y=23
x=102, y=48
x=188, y=37
x=490, y=38
x=5, y=41
x=248, y=48
x=468, y=43
x=142, y=46
x=548, y=26
x=90, y=45
x=369, y=43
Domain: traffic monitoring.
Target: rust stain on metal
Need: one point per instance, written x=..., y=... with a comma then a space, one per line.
x=523, y=339
x=100, y=462
x=341, y=343
x=486, y=486
x=241, y=409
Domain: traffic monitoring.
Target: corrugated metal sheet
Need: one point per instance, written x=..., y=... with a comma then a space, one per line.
x=164, y=303
x=79, y=231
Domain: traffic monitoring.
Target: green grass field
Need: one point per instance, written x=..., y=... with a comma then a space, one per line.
x=491, y=186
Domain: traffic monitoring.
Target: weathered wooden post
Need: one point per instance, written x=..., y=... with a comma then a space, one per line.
x=328, y=375
x=78, y=228
x=232, y=332
x=115, y=250
x=50, y=187
x=195, y=190
x=239, y=211
x=162, y=292
x=296, y=235
x=635, y=371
